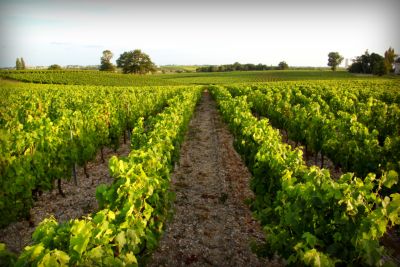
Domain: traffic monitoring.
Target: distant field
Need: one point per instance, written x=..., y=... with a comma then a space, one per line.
x=118, y=79
x=258, y=76
x=179, y=68
x=86, y=78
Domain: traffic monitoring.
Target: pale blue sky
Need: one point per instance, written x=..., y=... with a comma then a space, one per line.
x=302, y=33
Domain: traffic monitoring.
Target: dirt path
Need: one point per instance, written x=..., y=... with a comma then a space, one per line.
x=211, y=225
x=78, y=201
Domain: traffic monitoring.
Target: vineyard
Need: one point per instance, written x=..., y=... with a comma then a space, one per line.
x=323, y=153
x=80, y=77
x=308, y=216
x=85, y=78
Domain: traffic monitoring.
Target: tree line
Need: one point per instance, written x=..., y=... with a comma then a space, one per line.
x=366, y=63
x=241, y=67
x=138, y=62
x=374, y=63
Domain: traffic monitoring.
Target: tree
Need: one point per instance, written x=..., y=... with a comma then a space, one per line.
x=361, y=64
x=356, y=66
x=369, y=64
x=261, y=67
x=135, y=62
x=237, y=66
x=365, y=61
x=54, y=67
x=283, y=65
x=334, y=60
x=233, y=67
x=18, y=64
x=390, y=55
x=22, y=63
x=213, y=68
x=378, y=64
x=105, y=60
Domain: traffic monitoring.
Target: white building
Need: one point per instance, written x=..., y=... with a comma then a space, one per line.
x=346, y=64
x=397, y=66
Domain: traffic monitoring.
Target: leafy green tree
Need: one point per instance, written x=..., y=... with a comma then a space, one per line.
x=22, y=64
x=369, y=64
x=213, y=68
x=390, y=56
x=378, y=66
x=106, y=64
x=365, y=61
x=18, y=64
x=361, y=64
x=237, y=66
x=261, y=67
x=233, y=67
x=135, y=62
x=221, y=68
x=283, y=65
x=334, y=60
x=54, y=67
x=355, y=67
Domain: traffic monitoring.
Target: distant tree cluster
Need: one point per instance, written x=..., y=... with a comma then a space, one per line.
x=135, y=62
x=20, y=64
x=283, y=65
x=242, y=67
x=374, y=63
x=54, y=67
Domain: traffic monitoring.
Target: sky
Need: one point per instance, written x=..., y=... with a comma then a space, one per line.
x=188, y=32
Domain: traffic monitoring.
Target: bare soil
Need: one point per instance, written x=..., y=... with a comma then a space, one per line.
x=211, y=226
x=309, y=157
x=391, y=241
x=78, y=201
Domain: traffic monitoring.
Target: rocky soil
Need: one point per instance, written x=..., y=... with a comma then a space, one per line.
x=211, y=226
x=78, y=201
